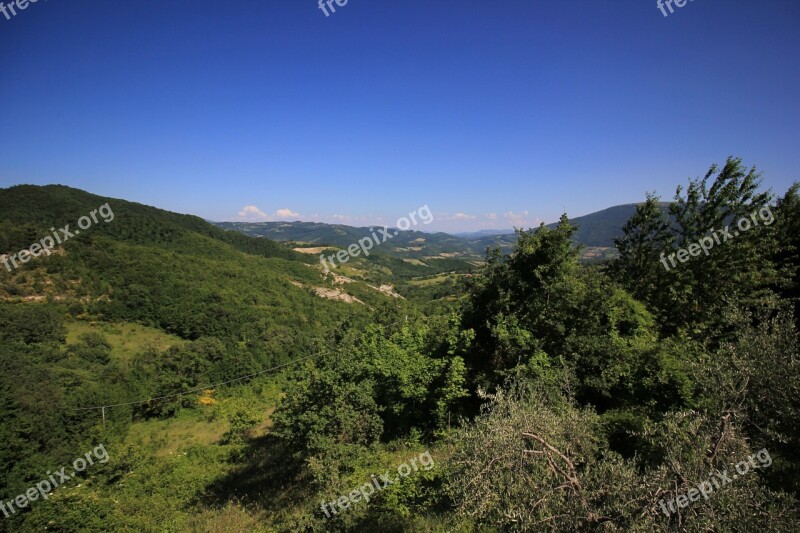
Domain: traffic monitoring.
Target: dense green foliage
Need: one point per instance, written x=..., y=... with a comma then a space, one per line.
x=694, y=295
x=552, y=395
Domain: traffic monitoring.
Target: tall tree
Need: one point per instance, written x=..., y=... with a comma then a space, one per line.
x=640, y=267
x=787, y=256
x=518, y=304
x=719, y=253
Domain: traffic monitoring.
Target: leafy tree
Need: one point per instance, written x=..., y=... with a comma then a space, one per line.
x=646, y=236
x=242, y=414
x=93, y=348
x=692, y=295
x=537, y=314
x=327, y=416
x=181, y=369
x=372, y=388
x=787, y=255
x=31, y=323
x=521, y=304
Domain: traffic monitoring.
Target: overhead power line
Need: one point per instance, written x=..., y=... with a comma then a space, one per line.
x=205, y=387
x=210, y=386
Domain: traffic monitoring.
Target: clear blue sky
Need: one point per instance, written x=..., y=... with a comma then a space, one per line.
x=475, y=108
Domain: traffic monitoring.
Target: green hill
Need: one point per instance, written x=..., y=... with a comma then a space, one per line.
x=141, y=303
x=234, y=387
x=27, y=212
x=144, y=260
x=407, y=244
x=595, y=231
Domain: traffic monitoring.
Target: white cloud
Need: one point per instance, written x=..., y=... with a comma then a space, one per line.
x=452, y=221
x=251, y=213
x=286, y=213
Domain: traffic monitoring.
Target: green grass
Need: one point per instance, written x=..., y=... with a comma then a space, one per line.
x=432, y=280
x=126, y=338
x=204, y=425
x=174, y=435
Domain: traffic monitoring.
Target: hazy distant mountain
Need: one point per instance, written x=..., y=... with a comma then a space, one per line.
x=595, y=230
x=409, y=244
x=600, y=228
x=484, y=233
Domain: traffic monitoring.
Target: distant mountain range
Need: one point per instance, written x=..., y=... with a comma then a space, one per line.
x=595, y=231
x=125, y=256
x=408, y=244
x=484, y=233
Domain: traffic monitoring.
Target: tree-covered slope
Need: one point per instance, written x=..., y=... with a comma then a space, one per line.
x=597, y=229
x=27, y=212
x=239, y=305
x=162, y=269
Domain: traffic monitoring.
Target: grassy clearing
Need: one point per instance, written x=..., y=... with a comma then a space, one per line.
x=126, y=338
x=172, y=436
x=313, y=251
x=206, y=423
x=178, y=462
x=440, y=278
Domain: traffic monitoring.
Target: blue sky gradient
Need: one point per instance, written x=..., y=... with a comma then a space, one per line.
x=493, y=113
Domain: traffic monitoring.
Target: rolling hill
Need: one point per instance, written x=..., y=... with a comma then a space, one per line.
x=596, y=231
x=172, y=271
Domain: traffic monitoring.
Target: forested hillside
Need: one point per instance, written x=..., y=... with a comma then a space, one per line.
x=595, y=235
x=597, y=230
x=226, y=306
x=236, y=387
